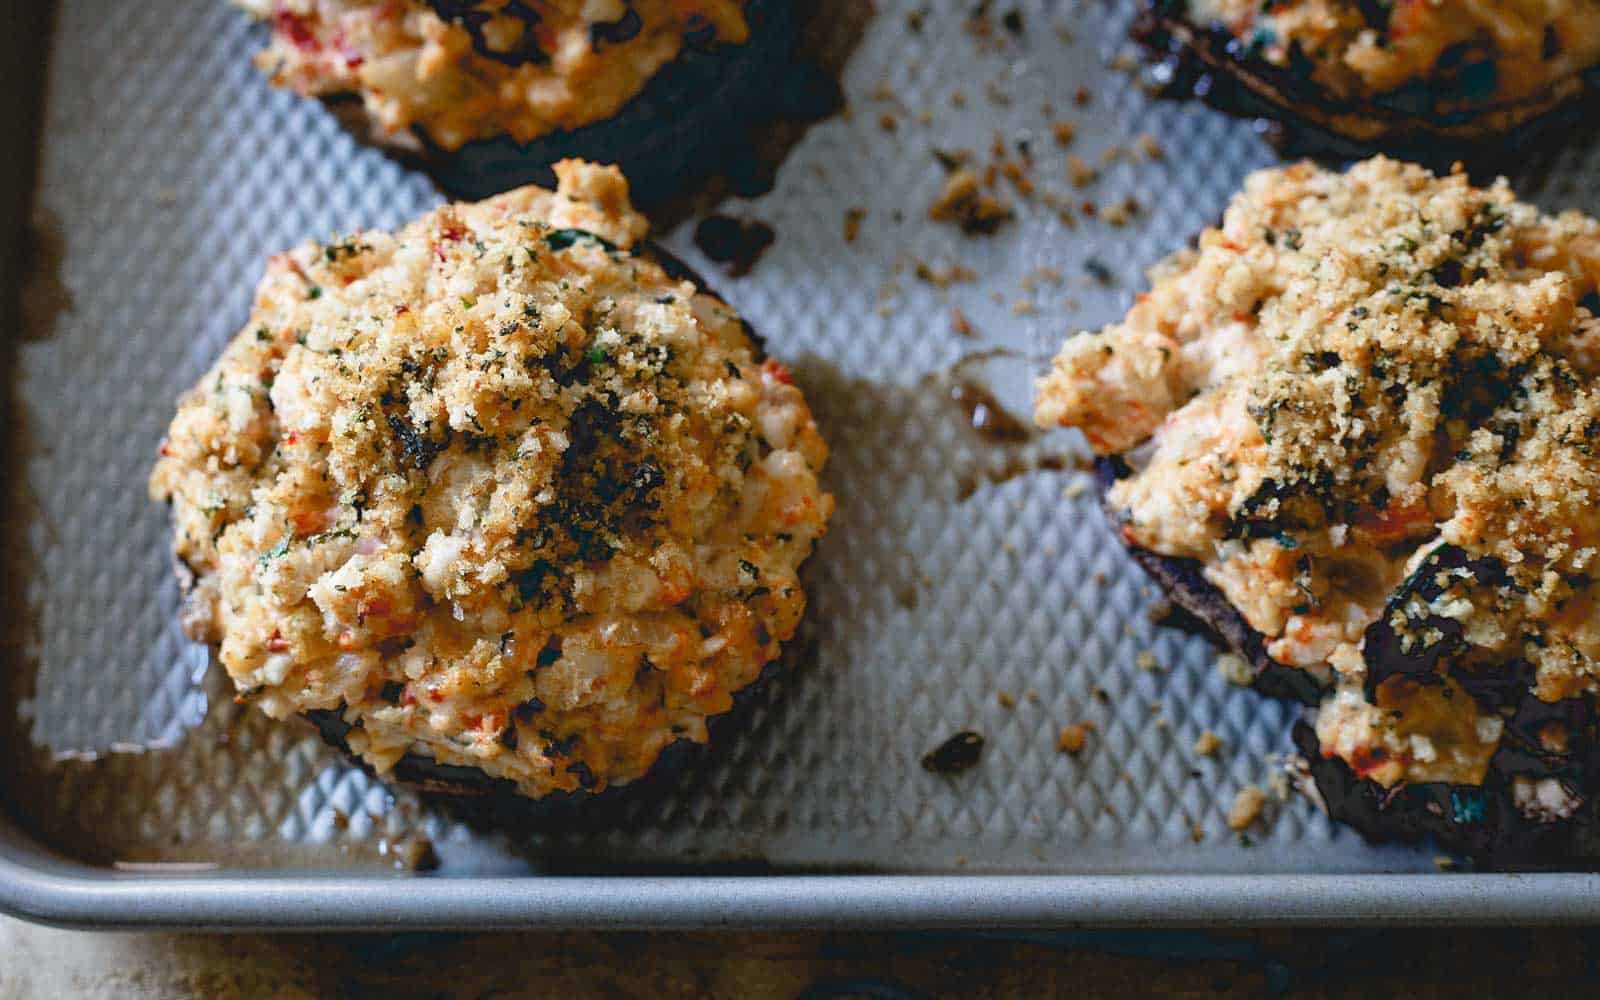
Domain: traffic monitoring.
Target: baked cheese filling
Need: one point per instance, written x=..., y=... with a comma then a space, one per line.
x=1472, y=53
x=506, y=493
x=1367, y=405
x=460, y=70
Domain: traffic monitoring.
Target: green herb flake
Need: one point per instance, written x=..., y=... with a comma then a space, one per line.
x=274, y=552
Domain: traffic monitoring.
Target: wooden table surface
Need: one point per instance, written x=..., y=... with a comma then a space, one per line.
x=45, y=963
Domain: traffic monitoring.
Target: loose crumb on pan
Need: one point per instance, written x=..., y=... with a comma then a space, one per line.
x=1207, y=744
x=1235, y=669
x=853, y=217
x=965, y=200
x=1005, y=699
x=1150, y=147
x=1248, y=804
x=1073, y=738
x=960, y=324
x=1080, y=172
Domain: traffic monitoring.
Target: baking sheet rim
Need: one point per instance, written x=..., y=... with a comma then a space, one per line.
x=38, y=888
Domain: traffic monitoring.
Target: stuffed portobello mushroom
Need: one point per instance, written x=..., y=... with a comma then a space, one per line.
x=504, y=501
x=486, y=94
x=1357, y=430
x=1430, y=79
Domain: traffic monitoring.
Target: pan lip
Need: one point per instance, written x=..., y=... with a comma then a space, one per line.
x=37, y=887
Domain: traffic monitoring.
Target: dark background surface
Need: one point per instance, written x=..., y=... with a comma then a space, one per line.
x=37, y=962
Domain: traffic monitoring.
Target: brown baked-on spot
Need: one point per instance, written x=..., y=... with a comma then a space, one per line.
x=985, y=415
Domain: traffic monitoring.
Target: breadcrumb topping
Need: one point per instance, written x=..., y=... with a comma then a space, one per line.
x=498, y=486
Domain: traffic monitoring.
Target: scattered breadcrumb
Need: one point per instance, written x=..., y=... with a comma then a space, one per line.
x=1122, y=212
x=1146, y=661
x=1207, y=744
x=888, y=122
x=960, y=323
x=964, y=201
x=942, y=276
x=1235, y=669
x=1032, y=696
x=1279, y=785
x=1075, y=489
x=1022, y=307
x=1125, y=62
x=1006, y=699
x=1080, y=173
x=1074, y=737
x=1197, y=831
x=1064, y=131
x=1014, y=172
x=853, y=217
x=1150, y=147
x=1041, y=275
x=1247, y=806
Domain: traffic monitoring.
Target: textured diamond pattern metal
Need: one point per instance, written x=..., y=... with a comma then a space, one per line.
x=171, y=170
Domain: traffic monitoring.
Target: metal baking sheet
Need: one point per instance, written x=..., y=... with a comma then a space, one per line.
x=966, y=583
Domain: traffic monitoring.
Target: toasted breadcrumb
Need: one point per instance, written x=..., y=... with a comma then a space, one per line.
x=965, y=201
x=1235, y=669
x=1073, y=738
x=1248, y=804
x=1080, y=172
x=1207, y=744
x=853, y=217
